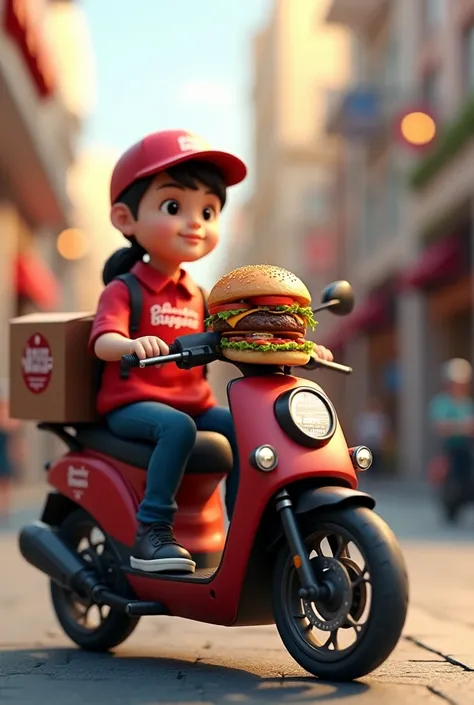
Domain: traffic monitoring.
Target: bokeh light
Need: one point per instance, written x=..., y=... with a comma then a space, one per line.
x=72, y=244
x=418, y=128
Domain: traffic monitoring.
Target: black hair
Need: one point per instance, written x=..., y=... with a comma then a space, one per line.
x=188, y=174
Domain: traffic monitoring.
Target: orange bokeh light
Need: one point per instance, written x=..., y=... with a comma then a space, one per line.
x=72, y=244
x=418, y=128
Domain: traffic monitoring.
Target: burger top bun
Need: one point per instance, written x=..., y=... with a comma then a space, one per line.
x=258, y=280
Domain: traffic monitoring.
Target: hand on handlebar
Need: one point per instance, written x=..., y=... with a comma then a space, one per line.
x=323, y=353
x=148, y=346
x=322, y=357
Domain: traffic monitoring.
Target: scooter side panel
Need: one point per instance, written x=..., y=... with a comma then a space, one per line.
x=98, y=488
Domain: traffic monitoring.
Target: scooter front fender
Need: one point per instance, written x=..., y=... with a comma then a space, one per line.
x=320, y=497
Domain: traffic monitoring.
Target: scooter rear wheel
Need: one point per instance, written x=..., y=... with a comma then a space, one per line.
x=90, y=626
x=356, y=554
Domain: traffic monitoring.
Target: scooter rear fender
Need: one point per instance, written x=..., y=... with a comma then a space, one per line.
x=97, y=487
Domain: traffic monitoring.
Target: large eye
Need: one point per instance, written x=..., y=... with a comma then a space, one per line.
x=170, y=206
x=209, y=213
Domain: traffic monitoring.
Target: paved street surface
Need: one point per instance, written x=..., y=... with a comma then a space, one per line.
x=174, y=661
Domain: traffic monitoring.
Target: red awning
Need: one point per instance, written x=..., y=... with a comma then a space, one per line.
x=35, y=281
x=441, y=260
x=371, y=313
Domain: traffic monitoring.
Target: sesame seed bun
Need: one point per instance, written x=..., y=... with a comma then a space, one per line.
x=258, y=280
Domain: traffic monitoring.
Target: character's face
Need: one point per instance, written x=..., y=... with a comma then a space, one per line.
x=174, y=224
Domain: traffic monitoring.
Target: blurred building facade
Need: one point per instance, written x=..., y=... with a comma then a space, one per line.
x=296, y=57
x=407, y=223
x=46, y=74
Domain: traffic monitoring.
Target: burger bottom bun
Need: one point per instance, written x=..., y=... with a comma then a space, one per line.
x=279, y=357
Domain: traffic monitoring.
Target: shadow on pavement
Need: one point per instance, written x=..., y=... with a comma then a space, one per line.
x=142, y=680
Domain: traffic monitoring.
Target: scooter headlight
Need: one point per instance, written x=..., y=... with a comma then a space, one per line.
x=306, y=415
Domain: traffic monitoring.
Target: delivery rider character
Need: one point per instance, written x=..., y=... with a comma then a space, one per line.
x=167, y=192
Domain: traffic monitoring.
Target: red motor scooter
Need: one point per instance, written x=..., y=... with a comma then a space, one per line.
x=304, y=549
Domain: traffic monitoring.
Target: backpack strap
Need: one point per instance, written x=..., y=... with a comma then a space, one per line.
x=136, y=299
x=136, y=305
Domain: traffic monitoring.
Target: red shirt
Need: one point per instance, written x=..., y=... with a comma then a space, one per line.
x=170, y=309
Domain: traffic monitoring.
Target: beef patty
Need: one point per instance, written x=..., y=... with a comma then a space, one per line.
x=262, y=321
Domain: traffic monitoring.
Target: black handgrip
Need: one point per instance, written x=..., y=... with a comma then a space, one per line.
x=129, y=361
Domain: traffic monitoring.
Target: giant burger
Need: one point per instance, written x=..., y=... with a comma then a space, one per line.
x=262, y=313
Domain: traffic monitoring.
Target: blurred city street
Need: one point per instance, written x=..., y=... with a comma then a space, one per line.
x=175, y=661
x=355, y=122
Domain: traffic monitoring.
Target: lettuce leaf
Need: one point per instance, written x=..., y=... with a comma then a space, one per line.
x=266, y=347
x=224, y=315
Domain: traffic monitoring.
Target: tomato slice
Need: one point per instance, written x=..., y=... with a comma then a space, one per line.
x=272, y=300
x=229, y=307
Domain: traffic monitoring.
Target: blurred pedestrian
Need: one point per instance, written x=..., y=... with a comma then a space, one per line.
x=373, y=430
x=452, y=416
x=8, y=438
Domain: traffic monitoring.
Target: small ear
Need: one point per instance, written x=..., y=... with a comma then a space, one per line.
x=122, y=219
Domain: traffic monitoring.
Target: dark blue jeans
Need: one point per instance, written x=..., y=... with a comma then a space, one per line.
x=174, y=433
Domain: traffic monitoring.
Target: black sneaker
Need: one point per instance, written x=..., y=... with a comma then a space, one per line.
x=157, y=551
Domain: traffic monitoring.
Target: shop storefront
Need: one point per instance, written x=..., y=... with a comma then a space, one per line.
x=443, y=277
x=38, y=136
x=367, y=341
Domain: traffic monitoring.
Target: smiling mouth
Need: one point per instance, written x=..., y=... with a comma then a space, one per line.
x=193, y=238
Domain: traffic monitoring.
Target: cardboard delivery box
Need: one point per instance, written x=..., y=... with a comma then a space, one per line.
x=51, y=370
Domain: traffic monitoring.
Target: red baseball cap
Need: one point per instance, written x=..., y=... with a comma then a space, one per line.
x=161, y=150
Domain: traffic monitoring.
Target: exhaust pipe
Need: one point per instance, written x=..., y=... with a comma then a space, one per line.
x=41, y=545
x=43, y=548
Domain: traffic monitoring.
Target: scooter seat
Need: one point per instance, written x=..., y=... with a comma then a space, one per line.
x=211, y=453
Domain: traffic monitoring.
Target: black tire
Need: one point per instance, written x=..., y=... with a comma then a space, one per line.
x=388, y=604
x=116, y=626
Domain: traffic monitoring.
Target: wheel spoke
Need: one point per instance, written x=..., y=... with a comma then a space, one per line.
x=360, y=580
x=337, y=543
x=82, y=618
x=350, y=621
x=317, y=547
x=332, y=641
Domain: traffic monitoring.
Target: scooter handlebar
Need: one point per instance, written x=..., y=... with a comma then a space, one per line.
x=201, y=349
x=132, y=360
x=187, y=351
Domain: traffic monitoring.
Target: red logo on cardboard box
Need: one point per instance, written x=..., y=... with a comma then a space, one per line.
x=37, y=363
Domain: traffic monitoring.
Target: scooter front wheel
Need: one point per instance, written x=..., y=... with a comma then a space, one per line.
x=92, y=627
x=357, y=556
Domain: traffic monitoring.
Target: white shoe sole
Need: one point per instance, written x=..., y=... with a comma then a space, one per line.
x=161, y=565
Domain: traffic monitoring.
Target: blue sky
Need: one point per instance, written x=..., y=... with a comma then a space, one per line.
x=176, y=64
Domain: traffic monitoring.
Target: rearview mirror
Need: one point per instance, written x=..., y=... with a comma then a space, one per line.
x=341, y=293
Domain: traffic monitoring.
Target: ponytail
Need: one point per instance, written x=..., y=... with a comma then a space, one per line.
x=122, y=261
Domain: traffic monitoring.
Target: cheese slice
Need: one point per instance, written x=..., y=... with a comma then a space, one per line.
x=233, y=320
